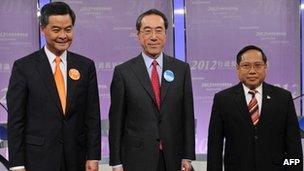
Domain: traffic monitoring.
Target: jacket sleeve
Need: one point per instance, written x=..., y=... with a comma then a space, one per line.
x=293, y=137
x=189, y=132
x=116, y=117
x=16, y=97
x=215, y=138
x=92, y=122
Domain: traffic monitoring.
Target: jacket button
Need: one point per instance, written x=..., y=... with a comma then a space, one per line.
x=256, y=137
x=60, y=140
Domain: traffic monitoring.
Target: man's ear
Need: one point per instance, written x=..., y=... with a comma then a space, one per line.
x=237, y=66
x=42, y=30
x=237, y=69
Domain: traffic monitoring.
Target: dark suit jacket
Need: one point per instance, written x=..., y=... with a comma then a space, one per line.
x=136, y=124
x=253, y=148
x=39, y=136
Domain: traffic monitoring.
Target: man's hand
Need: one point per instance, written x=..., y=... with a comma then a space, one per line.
x=91, y=165
x=186, y=165
x=118, y=169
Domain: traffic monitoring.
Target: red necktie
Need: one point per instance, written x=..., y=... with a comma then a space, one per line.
x=156, y=90
x=155, y=83
x=254, y=108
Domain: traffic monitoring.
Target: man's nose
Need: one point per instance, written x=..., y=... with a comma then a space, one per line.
x=153, y=35
x=252, y=70
x=62, y=35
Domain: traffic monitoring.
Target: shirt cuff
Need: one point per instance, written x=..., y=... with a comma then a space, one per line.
x=187, y=160
x=117, y=166
x=17, y=167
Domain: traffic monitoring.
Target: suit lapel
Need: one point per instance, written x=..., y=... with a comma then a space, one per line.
x=71, y=84
x=240, y=102
x=47, y=76
x=267, y=103
x=139, y=69
x=164, y=84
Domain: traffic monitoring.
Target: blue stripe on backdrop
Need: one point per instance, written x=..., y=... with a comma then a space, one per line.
x=179, y=29
x=302, y=54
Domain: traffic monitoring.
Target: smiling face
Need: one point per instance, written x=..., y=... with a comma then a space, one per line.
x=252, y=69
x=152, y=35
x=58, y=33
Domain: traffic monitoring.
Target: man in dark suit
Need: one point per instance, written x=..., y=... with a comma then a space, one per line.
x=257, y=120
x=151, y=114
x=53, y=103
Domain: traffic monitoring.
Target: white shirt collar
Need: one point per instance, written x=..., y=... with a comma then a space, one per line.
x=148, y=60
x=259, y=89
x=51, y=56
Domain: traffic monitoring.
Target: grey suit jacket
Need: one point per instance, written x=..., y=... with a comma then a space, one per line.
x=136, y=125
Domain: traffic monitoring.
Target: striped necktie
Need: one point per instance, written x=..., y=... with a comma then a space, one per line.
x=254, y=108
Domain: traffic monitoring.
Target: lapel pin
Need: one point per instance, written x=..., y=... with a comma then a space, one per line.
x=169, y=75
x=74, y=74
x=268, y=97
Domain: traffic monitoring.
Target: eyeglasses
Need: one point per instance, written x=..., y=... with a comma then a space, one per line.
x=255, y=66
x=149, y=32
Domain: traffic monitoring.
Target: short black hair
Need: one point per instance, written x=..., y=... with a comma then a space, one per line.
x=55, y=8
x=151, y=12
x=247, y=48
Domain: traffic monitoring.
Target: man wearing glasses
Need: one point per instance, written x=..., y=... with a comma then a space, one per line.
x=151, y=114
x=257, y=120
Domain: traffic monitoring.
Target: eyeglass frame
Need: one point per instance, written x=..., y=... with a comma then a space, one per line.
x=148, y=31
x=256, y=66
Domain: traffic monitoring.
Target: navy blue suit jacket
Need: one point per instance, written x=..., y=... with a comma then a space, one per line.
x=253, y=148
x=39, y=135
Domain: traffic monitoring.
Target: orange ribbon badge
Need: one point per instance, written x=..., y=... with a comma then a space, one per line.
x=74, y=74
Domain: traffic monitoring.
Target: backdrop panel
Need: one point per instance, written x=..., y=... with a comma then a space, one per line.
x=216, y=30
x=19, y=35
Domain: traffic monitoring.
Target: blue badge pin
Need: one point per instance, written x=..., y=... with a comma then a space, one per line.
x=169, y=75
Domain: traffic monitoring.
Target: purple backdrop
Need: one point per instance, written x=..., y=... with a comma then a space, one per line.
x=19, y=36
x=218, y=29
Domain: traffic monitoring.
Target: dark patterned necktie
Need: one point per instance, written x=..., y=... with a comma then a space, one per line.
x=254, y=108
x=155, y=83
